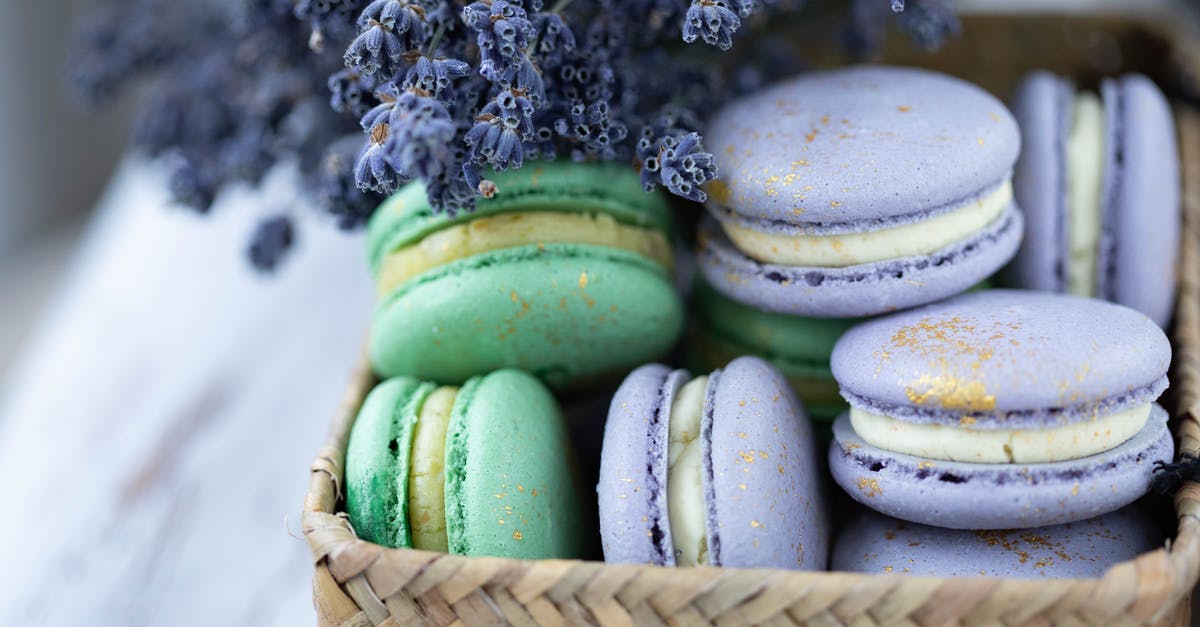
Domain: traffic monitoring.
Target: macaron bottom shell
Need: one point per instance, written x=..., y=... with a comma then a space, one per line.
x=961, y=495
x=569, y=314
x=862, y=290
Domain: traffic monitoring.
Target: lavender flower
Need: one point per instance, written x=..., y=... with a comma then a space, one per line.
x=445, y=91
x=270, y=243
x=386, y=30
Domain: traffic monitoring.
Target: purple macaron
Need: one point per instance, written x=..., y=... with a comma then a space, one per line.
x=756, y=499
x=1098, y=179
x=860, y=191
x=874, y=543
x=1001, y=409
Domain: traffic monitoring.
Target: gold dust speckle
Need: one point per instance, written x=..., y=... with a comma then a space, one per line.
x=517, y=535
x=836, y=203
x=741, y=403
x=1075, y=490
x=747, y=456
x=980, y=140
x=887, y=569
x=719, y=191
x=780, y=469
x=851, y=447
x=755, y=524
x=925, y=465
x=904, y=108
x=583, y=281
x=869, y=487
x=763, y=454
x=966, y=421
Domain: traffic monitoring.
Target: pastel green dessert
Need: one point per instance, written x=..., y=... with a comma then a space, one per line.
x=484, y=469
x=798, y=346
x=565, y=272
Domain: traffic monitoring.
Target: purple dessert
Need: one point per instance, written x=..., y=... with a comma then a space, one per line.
x=860, y=191
x=1098, y=179
x=719, y=470
x=874, y=543
x=1001, y=409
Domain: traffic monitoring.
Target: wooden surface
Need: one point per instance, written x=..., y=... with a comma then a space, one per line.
x=158, y=425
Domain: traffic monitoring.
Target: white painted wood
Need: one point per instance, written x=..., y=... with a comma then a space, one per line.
x=159, y=426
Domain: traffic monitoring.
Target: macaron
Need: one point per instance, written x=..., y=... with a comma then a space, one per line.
x=565, y=272
x=874, y=543
x=485, y=469
x=1001, y=409
x=1098, y=179
x=799, y=347
x=717, y=470
x=859, y=191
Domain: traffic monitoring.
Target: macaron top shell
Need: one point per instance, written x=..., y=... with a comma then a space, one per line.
x=762, y=474
x=600, y=187
x=510, y=487
x=1007, y=357
x=860, y=147
x=1140, y=242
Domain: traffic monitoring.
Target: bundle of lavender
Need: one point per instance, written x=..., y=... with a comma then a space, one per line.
x=365, y=96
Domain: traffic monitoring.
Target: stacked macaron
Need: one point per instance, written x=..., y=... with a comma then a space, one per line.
x=1001, y=409
x=1098, y=179
x=565, y=272
x=836, y=199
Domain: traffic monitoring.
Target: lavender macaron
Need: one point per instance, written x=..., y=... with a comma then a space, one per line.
x=860, y=191
x=716, y=470
x=1098, y=179
x=874, y=543
x=1001, y=409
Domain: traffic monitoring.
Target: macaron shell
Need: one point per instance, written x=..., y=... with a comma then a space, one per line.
x=762, y=473
x=998, y=496
x=634, y=523
x=1042, y=105
x=567, y=313
x=377, y=461
x=862, y=290
x=1140, y=246
x=558, y=186
x=873, y=543
x=1004, y=357
x=510, y=486
x=858, y=144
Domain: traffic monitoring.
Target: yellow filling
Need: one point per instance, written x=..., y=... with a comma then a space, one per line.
x=427, y=477
x=685, y=491
x=1085, y=184
x=999, y=446
x=848, y=249
x=508, y=230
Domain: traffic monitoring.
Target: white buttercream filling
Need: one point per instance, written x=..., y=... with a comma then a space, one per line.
x=1085, y=182
x=999, y=446
x=848, y=249
x=685, y=491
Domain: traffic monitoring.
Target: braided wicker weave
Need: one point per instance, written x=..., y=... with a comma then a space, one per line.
x=362, y=584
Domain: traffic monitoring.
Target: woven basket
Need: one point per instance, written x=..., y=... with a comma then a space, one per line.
x=359, y=583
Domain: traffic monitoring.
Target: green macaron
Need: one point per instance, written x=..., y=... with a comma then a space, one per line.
x=798, y=346
x=484, y=469
x=565, y=272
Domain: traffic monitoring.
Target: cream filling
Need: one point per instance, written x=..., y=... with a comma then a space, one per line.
x=1085, y=185
x=685, y=490
x=427, y=476
x=508, y=230
x=848, y=249
x=999, y=446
